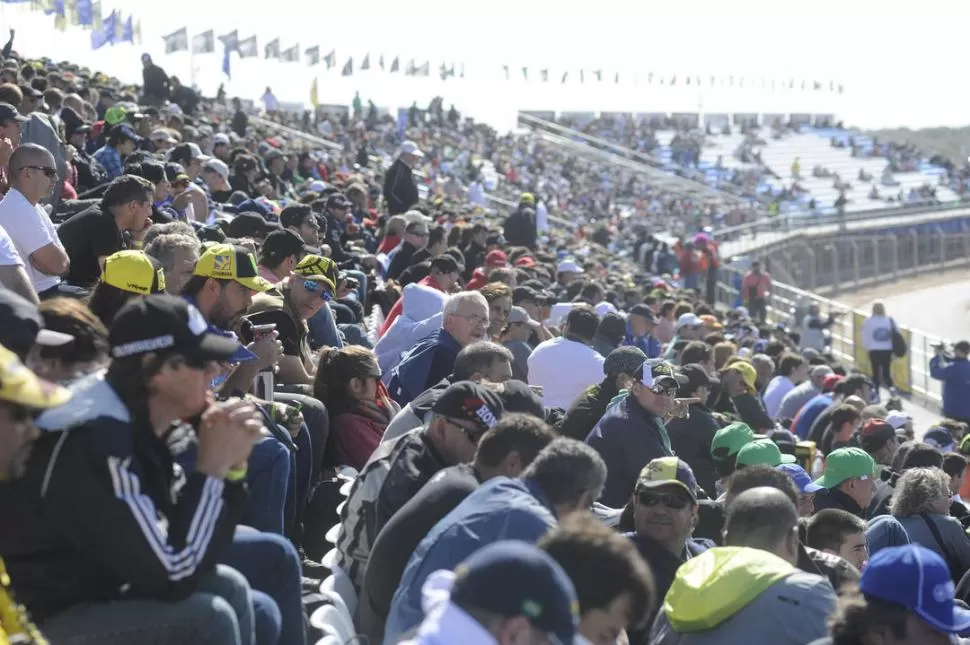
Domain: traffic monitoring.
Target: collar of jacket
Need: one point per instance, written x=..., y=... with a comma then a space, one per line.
x=846, y=502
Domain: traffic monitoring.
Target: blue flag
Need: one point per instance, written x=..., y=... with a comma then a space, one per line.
x=85, y=12
x=99, y=38
x=227, y=48
x=109, y=27
x=128, y=31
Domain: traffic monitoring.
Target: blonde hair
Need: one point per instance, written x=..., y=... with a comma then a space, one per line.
x=917, y=490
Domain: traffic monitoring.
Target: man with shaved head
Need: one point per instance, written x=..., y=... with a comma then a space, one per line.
x=752, y=590
x=33, y=174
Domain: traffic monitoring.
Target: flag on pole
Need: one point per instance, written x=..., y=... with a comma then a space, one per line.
x=128, y=31
x=365, y=64
x=272, y=49
x=85, y=12
x=348, y=69
x=380, y=62
x=248, y=48
x=395, y=65
x=292, y=54
x=312, y=55
x=230, y=40
x=204, y=43
x=314, y=99
x=330, y=59
x=177, y=41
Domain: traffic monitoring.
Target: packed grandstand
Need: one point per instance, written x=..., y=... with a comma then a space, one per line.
x=344, y=375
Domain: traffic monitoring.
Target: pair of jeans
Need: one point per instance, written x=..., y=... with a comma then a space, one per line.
x=272, y=566
x=220, y=612
x=268, y=477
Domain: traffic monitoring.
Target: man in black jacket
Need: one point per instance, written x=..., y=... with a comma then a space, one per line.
x=622, y=366
x=691, y=436
x=400, y=192
x=415, y=239
x=106, y=538
x=520, y=227
x=155, y=86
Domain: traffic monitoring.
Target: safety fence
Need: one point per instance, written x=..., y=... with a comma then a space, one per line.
x=788, y=305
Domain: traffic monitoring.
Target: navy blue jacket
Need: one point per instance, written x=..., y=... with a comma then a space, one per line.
x=956, y=385
x=627, y=437
x=423, y=366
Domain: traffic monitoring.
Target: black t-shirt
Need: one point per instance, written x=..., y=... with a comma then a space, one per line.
x=400, y=537
x=89, y=235
x=289, y=334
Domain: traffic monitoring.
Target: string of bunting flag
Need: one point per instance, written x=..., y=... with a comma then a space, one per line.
x=206, y=43
x=115, y=28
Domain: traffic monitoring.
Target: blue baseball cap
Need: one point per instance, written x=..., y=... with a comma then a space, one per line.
x=511, y=578
x=802, y=480
x=919, y=580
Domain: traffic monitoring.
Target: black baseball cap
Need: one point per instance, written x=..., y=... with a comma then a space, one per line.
x=468, y=401
x=164, y=323
x=643, y=311
x=524, y=294
x=338, y=200
x=518, y=397
x=22, y=326
x=696, y=377
x=248, y=224
x=8, y=112
x=282, y=243
x=511, y=578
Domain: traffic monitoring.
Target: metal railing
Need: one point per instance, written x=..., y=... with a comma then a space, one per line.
x=755, y=236
x=787, y=304
x=642, y=162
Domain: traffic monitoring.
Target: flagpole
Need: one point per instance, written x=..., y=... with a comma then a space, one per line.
x=192, y=59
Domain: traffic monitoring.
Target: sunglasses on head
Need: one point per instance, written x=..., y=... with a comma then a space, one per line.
x=670, y=500
x=313, y=286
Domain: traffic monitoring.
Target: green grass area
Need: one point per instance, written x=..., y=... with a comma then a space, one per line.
x=950, y=142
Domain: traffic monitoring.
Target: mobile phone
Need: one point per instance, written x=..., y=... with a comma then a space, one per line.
x=259, y=331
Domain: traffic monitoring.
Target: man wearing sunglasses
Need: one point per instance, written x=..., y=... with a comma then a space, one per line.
x=632, y=432
x=296, y=299
x=664, y=515
x=32, y=174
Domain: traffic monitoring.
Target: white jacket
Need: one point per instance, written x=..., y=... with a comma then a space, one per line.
x=420, y=317
x=877, y=333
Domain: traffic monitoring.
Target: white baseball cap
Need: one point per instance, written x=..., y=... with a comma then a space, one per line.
x=410, y=148
x=569, y=266
x=688, y=320
x=217, y=166
x=898, y=419
x=221, y=137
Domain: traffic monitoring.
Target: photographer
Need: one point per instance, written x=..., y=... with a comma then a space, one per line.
x=954, y=371
x=814, y=326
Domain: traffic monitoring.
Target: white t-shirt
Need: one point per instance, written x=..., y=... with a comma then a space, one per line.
x=564, y=369
x=877, y=333
x=30, y=228
x=8, y=252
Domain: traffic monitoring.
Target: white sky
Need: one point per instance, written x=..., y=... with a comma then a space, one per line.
x=901, y=64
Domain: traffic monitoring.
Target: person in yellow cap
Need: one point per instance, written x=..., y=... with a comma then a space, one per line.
x=223, y=284
x=21, y=394
x=309, y=287
x=739, y=380
x=127, y=274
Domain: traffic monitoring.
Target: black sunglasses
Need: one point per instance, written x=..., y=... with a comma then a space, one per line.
x=670, y=500
x=47, y=170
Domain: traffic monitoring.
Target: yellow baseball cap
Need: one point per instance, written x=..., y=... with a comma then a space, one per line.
x=21, y=386
x=135, y=272
x=747, y=371
x=231, y=262
x=317, y=267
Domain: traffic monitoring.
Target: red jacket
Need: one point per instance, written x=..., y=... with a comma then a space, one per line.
x=358, y=432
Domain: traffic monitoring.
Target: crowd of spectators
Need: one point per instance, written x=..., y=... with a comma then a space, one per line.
x=218, y=329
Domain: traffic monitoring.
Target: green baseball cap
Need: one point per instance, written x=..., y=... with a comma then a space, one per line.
x=731, y=438
x=763, y=451
x=846, y=463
